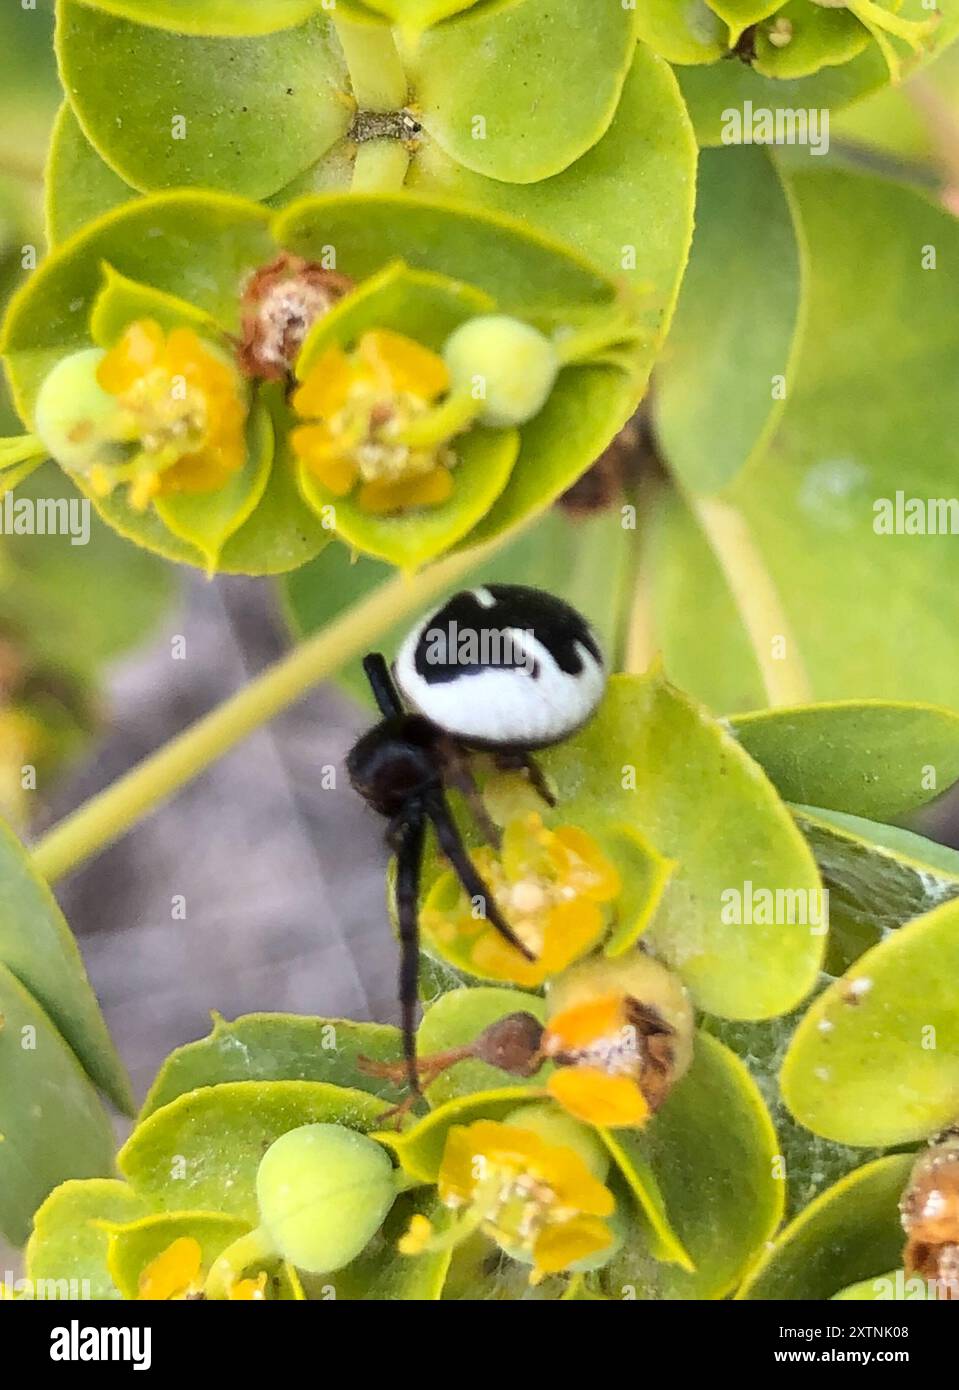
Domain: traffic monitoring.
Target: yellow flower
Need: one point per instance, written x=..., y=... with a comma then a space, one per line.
x=181, y=409
x=550, y=885
x=177, y=1274
x=374, y=417
x=620, y=1033
x=538, y=1200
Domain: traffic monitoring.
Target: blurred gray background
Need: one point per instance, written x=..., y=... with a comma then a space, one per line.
x=283, y=881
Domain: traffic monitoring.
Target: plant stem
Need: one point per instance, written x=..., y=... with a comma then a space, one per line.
x=376, y=71
x=757, y=599
x=380, y=166
x=107, y=816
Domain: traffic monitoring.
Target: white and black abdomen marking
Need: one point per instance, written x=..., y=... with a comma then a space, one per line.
x=503, y=666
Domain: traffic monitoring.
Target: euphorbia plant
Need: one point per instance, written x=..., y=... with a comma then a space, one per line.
x=360, y=296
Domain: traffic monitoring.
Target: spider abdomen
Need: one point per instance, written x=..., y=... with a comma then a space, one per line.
x=503, y=666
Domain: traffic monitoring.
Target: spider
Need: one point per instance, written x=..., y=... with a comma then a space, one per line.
x=502, y=669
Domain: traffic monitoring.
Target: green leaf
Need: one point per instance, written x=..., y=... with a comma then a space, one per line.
x=878, y=877
x=850, y=1232
x=36, y=945
x=653, y=760
x=211, y=16
x=132, y=589
x=736, y=323
x=246, y=115
x=52, y=1124
x=712, y=1149
x=646, y=875
x=122, y=301
x=458, y=1018
x=278, y=1047
x=203, y=1149
x=682, y=31
x=740, y=14
x=819, y=38
x=196, y=246
x=872, y=758
x=637, y=229
x=519, y=92
x=485, y=459
x=420, y=13
x=79, y=185
x=132, y=1245
x=876, y=1058
x=69, y=1240
x=526, y=273
x=711, y=92
x=206, y=520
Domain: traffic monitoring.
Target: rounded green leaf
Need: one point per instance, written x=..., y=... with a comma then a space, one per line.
x=242, y=114
x=417, y=14
x=740, y=14
x=712, y=1150
x=819, y=38
x=69, y=1241
x=682, y=31
x=878, y=877
x=381, y=1273
x=849, y=1233
x=132, y=1245
x=78, y=184
x=872, y=758
x=279, y=1047
x=203, y=1149
x=636, y=228
x=457, y=1019
x=876, y=1058
x=122, y=300
x=37, y=946
x=896, y=1287
x=519, y=92
x=526, y=273
x=734, y=333
x=653, y=760
x=212, y=16
x=52, y=1124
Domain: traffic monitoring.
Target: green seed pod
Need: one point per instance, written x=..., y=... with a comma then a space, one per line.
x=507, y=364
x=555, y=1127
x=323, y=1192
x=74, y=415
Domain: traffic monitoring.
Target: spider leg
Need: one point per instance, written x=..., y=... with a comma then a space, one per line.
x=452, y=846
x=409, y=857
x=381, y=684
x=514, y=762
x=458, y=774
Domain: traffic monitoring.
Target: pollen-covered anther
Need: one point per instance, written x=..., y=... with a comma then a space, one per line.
x=281, y=302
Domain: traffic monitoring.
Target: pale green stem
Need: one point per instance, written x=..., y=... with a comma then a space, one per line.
x=18, y=448
x=757, y=599
x=380, y=166
x=256, y=1248
x=12, y=477
x=110, y=814
x=376, y=71
x=584, y=343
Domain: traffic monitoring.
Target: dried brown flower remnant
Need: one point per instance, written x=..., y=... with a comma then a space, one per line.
x=281, y=302
x=930, y=1216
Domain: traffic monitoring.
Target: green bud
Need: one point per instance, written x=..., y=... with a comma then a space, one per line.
x=74, y=415
x=323, y=1192
x=508, y=364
